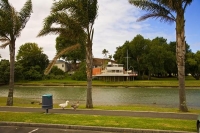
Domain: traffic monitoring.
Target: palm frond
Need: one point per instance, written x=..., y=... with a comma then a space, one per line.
x=5, y=5
x=68, y=49
x=84, y=11
x=3, y=39
x=13, y=22
x=25, y=13
x=5, y=13
x=175, y=5
x=186, y=2
x=155, y=7
x=63, y=24
x=48, y=22
x=4, y=45
x=22, y=17
x=162, y=17
x=63, y=5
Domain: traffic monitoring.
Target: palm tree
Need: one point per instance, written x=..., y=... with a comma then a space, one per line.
x=11, y=25
x=166, y=11
x=105, y=53
x=76, y=19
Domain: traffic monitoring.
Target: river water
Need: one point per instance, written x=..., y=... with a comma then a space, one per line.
x=110, y=95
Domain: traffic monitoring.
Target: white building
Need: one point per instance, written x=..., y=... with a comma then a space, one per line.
x=113, y=69
x=115, y=72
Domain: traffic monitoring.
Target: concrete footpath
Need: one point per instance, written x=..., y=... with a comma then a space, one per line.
x=184, y=116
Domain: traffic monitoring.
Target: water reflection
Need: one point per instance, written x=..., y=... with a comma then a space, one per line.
x=109, y=95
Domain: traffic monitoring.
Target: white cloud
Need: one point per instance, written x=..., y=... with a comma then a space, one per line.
x=115, y=24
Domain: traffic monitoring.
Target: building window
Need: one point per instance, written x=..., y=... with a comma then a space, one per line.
x=62, y=65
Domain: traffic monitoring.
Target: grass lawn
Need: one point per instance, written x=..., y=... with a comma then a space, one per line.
x=105, y=121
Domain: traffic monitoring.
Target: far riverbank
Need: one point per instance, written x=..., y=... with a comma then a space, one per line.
x=136, y=83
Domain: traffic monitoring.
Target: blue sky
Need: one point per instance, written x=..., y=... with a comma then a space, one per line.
x=115, y=24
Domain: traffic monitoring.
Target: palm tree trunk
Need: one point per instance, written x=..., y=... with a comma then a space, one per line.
x=180, y=56
x=12, y=66
x=89, y=62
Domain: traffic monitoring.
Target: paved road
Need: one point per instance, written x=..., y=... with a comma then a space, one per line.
x=186, y=116
x=17, y=129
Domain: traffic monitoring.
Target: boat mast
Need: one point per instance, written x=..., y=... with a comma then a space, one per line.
x=127, y=60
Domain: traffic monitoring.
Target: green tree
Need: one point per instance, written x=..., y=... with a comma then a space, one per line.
x=12, y=23
x=76, y=19
x=55, y=73
x=19, y=74
x=171, y=65
x=121, y=53
x=156, y=56
x=166, y=11
x=73, y=56
x=80, y=75
x=4, y=71
x=193, y=61
x=138, y=49
x=33, y=61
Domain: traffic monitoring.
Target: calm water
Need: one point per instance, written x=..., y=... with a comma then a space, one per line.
x=109, y=96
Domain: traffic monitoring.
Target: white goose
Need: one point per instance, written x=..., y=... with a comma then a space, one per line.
x=63, y=105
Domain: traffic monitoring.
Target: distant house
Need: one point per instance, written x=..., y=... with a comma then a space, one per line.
x=62, y=65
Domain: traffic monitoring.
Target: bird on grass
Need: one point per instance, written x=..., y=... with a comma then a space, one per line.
x=63, y=105
x=75, y=105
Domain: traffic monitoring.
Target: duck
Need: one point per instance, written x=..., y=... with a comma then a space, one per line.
x=63, y=105
x=75, y=105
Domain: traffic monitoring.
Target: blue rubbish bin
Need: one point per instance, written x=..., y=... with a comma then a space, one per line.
x=47, y=102
x=198, y=124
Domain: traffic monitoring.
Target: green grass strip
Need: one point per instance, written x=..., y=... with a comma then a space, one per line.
x=22, y=102
x=105, y=121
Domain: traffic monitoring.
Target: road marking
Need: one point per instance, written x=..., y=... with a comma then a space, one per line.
x=33, y=130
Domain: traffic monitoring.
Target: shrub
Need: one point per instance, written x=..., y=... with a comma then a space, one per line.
x=80, y=74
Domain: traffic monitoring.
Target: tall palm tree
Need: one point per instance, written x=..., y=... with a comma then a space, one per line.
x=105, y=53
x=170, y=11
x=76, y=19
x=11, y=25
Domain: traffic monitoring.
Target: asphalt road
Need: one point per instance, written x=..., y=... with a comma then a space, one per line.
x=16, y=129
x=186, y=116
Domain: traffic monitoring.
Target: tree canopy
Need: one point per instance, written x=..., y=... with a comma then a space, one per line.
x=33, y=61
